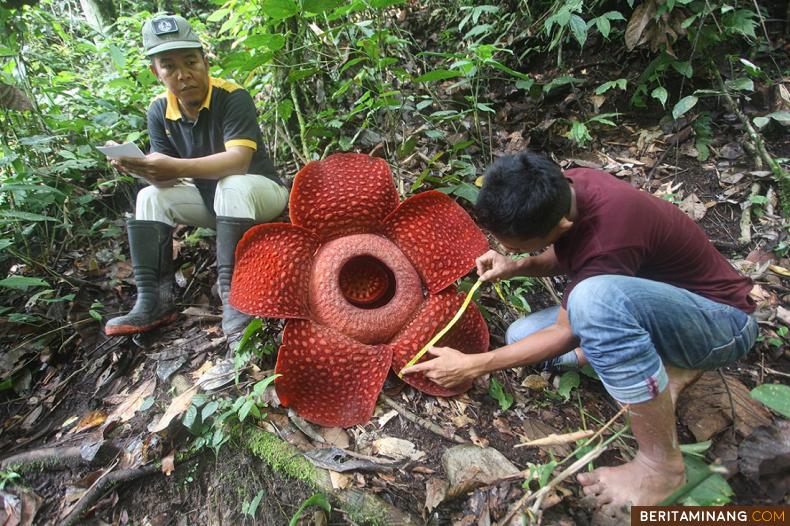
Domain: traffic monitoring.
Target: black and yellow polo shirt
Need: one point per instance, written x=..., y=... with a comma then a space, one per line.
x=227, y=118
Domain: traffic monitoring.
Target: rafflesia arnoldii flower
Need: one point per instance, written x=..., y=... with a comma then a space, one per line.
x=367, y=281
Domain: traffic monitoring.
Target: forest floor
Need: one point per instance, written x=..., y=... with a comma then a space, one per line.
x=83, y=404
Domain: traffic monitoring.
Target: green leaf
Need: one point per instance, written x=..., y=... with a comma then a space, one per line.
x=254, y=326
x=579, y=29
x=245, y=409
x=190, y=416
x=568, y=382
x=272, y=41
x=439, y=74
x=251, y=508
x=712, y=491
x=22, y=282
x=775, y=396
x=279, y=9
x=579, y=133
x=118, y=57
x=319, y=6
x=498, y=393
x=25, y=216
x=741, y=84
x=319, y=499
x=684, y=68
x=261, y=386
x=526, y=85
x=209, y=410
x=466, y=191
x=696, y=449
x=683, y=106
x=603, y=25
x=218, y=15
x=782, y=117
x=606, y=86
x=661, y=94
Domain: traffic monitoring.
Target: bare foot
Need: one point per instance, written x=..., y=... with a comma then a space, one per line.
x=679, y=379
x=641, y=482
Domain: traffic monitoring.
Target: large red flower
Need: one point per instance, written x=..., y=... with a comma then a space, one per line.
x=368, y=281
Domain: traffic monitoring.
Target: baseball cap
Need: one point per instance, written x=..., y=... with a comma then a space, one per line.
x=164, y=33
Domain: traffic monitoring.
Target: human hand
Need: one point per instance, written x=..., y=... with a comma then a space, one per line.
x=448, y=369
x=159, y=169
x=493, y=266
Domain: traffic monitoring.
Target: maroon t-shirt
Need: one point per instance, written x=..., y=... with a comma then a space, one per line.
x=624, y=231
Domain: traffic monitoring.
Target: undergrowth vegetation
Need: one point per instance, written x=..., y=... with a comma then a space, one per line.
x=366, y=75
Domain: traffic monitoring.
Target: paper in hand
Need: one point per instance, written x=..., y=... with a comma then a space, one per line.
x=128, y=149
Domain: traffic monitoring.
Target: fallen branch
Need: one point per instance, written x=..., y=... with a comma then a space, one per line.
x=104, y=484
x=422, y=422
x=48, y=457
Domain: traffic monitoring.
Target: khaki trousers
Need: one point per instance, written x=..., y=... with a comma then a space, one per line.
x=249, y=196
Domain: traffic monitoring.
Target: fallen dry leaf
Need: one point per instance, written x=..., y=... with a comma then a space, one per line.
x=177, y=406
x=535, y=382
x=89, y=421
x=335, y=436
x=705, y=407
x=397, y=448
x=126, y=410
x=340, y=480
x=435, y=493
x=693, y=207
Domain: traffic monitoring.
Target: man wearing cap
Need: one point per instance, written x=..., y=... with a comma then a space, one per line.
x=207, y=167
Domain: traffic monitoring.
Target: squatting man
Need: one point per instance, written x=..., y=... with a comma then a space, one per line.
x=650, y=304
x=207, y=167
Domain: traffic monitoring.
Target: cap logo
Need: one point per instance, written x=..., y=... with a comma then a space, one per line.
x=164, y=26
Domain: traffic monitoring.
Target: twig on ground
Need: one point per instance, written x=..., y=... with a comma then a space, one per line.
x=539, y=495
x=557, y=440
x=427, y=424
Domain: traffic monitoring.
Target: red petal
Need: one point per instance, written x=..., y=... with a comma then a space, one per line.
x=272, y=273
x=346, y=193
x=469, y=335
x=438, y=236
x=327, y=378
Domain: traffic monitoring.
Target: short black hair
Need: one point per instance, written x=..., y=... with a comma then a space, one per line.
x=524, y=196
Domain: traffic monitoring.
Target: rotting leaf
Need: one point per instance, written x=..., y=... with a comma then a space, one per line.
x=89, y=421
x=340, y=460
x=693, y=207
x=218, y=376
x=705, y=407
x=397, y=448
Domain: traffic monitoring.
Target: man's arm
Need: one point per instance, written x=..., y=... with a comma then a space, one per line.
x=158, y=168
x=451, y=367
x=493, y=266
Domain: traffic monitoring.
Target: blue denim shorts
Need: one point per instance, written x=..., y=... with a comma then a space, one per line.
x=629, y=328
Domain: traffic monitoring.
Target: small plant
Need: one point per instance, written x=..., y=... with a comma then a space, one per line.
x=250, y=508
x=497, y=391
x=319, y=499
x=8, y=477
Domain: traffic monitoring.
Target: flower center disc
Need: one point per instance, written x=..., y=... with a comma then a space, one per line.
x=366, y=282
x=364, y=286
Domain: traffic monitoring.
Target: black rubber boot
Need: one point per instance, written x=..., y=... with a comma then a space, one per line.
x=229, y=232
x=151, y=247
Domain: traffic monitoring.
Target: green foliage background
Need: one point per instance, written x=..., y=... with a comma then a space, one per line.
x=421, y=78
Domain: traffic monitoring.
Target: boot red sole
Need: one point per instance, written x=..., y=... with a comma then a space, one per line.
x=125, y=330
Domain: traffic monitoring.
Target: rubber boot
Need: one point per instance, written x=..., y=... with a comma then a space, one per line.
x=229, y=232
x=151, y=247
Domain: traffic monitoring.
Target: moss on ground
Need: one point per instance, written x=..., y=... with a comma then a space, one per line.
x=282, y=457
